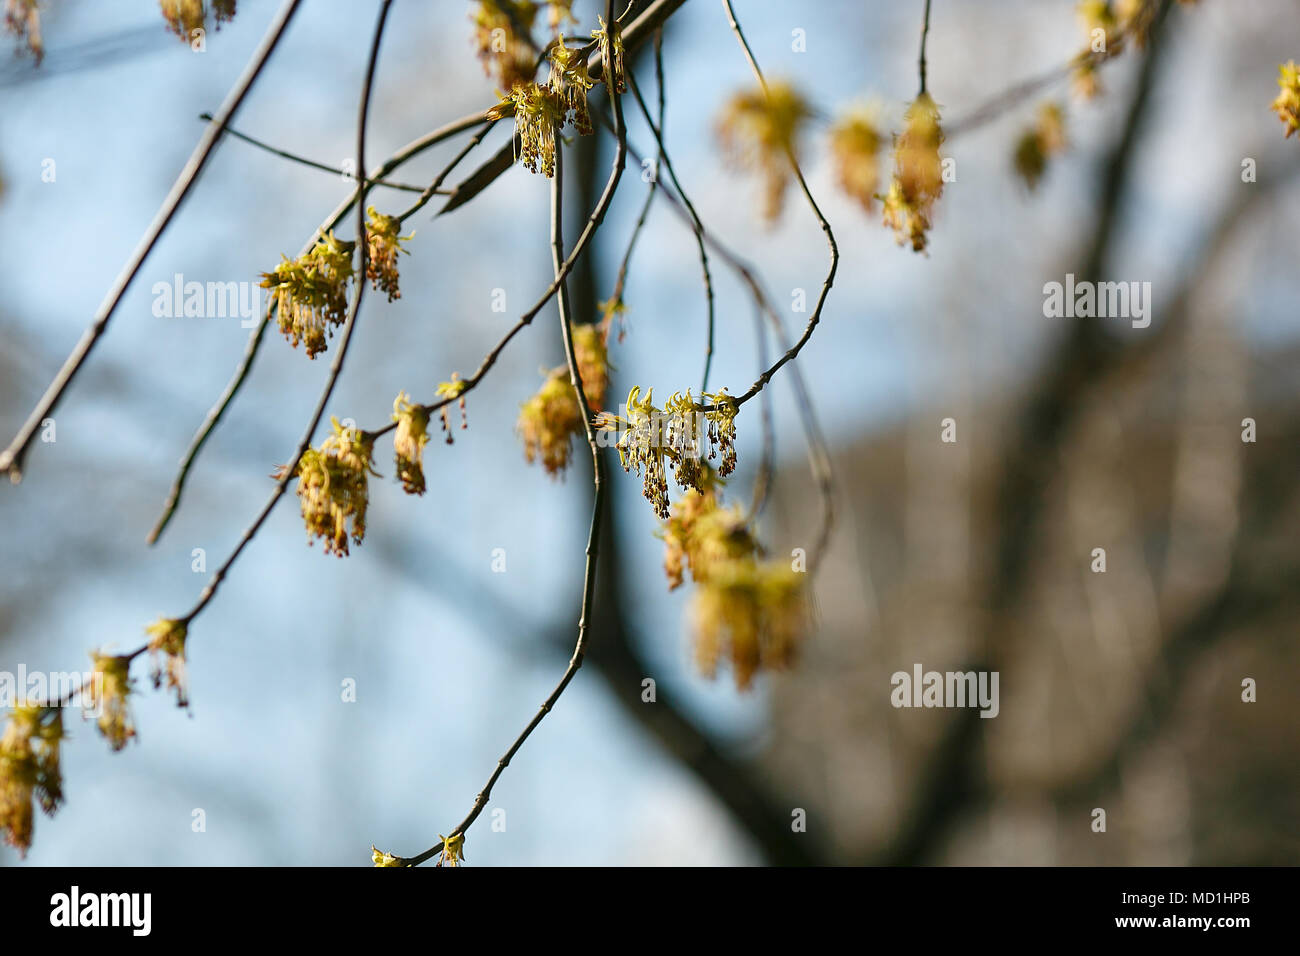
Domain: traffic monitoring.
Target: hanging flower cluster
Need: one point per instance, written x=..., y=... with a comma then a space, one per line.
x=570, y=83
x=311, y=292
x=855, y=141
x=453, y=390
x=108, y=694
x=23, y=20
x=502, y=40
x=384, y=243
x=408, y=443
x=1287, y=104
x=185, y=16
x=167, y=649
x=650, y=440
x=551, y=419
x=542, y=109
x=611, y=55
x=918, y=174
x=453, y=849
x=333, y=485
x=759, y=130
x=29, y=771
x=1039, y=143
x=383, y=858
x=751, y=610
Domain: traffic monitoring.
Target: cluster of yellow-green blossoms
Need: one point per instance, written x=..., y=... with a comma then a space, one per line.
x=759, y=130
x=167, y=649
x=542, y=109
x=185, y=16
x=23, y=20
x=611, y=55
x=650, y=440
x=1287, y=104
x=333, y=485
x=408, y=443
x=570, y=83
x=109, y=695
x=551, y=419
x=918, y=174
x=452, y=391
x=311, y=292
x=502, y=31
x=384, y=243
x=29, y=770
x=754, y=611
x=1110, y=24
x=381, y=858
x=1039, y=143
x=453, y=849
x=749, y=609
x=855, y=143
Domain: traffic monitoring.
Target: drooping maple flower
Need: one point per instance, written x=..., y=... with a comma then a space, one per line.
x=453, y=390
x=167, y=649
x=23, y=20
x=29, y=770
x=753, y=612
x=311, y=292
x=538, y=114
x=333, y=486
x=855, y=141
x=1039, y=143
x=109, y=694
x=408, y=443
x=651, y=439
x=700, y=534
x=551, y=419
x=384, y=243
x=502, y=30
x=382, y=858
x=611, y=55
x=569, y=82
x=759, y=130
x=1287, y=104
x=185, y=16
x=453, y=849
x=918, y=174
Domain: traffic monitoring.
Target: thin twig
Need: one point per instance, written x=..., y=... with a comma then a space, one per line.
x=313, y=164
x=11, y=459
x=561, y=266
x=925, y=33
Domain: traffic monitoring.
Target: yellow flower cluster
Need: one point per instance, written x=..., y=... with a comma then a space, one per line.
x=311, y=292
x=333, y=485
x=29, y=768
x=453, y=849
x=501, y=38
x=383, y=244
x=752, y=610
x=23, y=20
x=1287, y=104
x=611, y=55
x=185, y=16
x=855, y=142
x=760, y=130
x=652, y=439
x=918, y=174
x=455, y=389
x=550, y=420
x=381, y=858
x=540, y=110
x=570, y=83
x=1043, y=140
x=167, y=648
x=408, y=443
x=109, y=694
